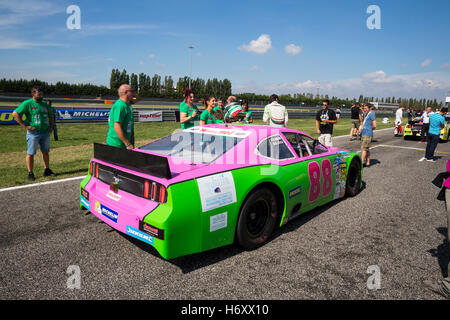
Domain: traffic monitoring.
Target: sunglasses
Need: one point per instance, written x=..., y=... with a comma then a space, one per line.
x=38, y=90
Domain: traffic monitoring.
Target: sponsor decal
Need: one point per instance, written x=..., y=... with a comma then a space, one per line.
x=295, y=192
x=146, y=116
x=6, y=117
x=218, y=221
x=84, y=202
x=151, y=230
x=216, y=191
x=237, y=133
x=113, y=195
x=107, y=212
x=85, y=194
x=135, y=233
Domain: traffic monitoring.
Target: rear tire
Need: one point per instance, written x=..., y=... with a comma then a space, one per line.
x=447, y=207
x=257, y=219
x=353, y=184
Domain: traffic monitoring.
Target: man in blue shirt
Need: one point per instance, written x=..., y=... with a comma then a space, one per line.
x=437, y=122
x=366, y=133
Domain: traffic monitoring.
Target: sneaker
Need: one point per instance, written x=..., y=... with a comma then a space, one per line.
x=431, y=160
x=48, y=172
x=421, y=159
x=437, y=288
x=31, y=176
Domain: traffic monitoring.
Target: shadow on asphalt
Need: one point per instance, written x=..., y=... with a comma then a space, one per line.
x=442, y=252
x=200, y=260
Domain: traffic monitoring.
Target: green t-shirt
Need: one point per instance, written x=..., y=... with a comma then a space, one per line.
x=189, y=110
x=248, y=116
x=123, y=113
x=52, y=111
x=217, y=108
x=36, y=114
x=218, y=121
x=207, y=117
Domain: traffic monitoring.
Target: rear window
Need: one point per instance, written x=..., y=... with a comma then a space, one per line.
x=191, y=146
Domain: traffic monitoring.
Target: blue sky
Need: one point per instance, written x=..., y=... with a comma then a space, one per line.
x=261, y=46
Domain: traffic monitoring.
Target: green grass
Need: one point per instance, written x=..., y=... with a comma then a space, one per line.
x=70, y=155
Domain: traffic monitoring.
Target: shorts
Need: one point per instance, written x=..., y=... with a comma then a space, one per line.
x=325, y=139
x=365, y=143
x=355, y=123
x=34, y=138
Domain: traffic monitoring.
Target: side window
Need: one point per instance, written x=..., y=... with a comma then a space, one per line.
x=314, y=145
x=274, y=147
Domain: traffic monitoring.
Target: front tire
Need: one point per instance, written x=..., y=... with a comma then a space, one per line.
x=353, y=184
x=257, y=219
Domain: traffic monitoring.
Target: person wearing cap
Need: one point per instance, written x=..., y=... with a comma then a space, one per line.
x=38, y=123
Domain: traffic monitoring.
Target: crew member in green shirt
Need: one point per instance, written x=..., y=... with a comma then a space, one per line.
x=120, y=122
x=207, y=116
x=248, y=118
x=189, y=113
x=38, y=123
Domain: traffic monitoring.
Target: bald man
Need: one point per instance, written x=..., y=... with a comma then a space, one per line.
x=121, y=124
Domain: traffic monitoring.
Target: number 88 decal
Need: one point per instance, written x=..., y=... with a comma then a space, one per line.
x=315, y=173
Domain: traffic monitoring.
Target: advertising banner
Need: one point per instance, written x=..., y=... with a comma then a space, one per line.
x=77, y=115
x=6, y=117
x=147, y=116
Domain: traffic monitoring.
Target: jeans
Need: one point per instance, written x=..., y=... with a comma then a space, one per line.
x=35, y=138
x=424, y=132
x=432, y=143
x=55, y=131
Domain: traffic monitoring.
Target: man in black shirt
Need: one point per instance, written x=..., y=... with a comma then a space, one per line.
x=356, y=119
x=325, y=119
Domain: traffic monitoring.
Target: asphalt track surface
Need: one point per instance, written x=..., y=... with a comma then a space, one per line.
x=395, y=223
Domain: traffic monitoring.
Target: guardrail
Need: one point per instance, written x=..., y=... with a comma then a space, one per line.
x=83, y=114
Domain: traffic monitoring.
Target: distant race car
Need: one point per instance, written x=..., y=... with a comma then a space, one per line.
x=210, y=186
x=413, y=129
x=445, y=132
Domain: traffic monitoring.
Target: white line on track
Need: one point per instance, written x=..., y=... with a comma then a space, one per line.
x=41, y=183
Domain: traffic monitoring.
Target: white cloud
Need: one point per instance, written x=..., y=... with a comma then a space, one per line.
x=377, y=84
x=17, y=12
x=254, y=68
x=259, y=46
x=426, y=63
x=151, y=55
x=445, y=66
x=10, y=43
x=292, y=49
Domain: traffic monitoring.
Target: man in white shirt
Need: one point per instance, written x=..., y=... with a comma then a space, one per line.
x=426, y=124
x=275, y=114
x=399, y=117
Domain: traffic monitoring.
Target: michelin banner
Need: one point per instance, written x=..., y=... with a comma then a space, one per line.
x=6, y=116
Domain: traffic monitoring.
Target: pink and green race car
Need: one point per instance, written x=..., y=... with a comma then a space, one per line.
x=214, y=185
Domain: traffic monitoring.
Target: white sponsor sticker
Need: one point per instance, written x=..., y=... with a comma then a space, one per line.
x=219, y=221
x=113, y=195
x=216, y=191
x=235, y=133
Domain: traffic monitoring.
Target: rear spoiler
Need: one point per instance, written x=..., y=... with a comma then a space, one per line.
x=138, y=161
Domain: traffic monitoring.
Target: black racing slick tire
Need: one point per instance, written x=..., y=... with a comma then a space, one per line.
x=257, y=219
x=353, y=184
x=447, y=207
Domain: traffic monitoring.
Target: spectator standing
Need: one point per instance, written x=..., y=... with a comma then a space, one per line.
x=189, y=113
x=356, y=119
x=338, y=113
x=121, y=122
x=53, y=111
x=275, y=114
x=38, y=123
x=426, y=124
x=218, y=116
x=220, y=104
x=207, y=116
x=437, y=122
x=325, y=119
x=248, y=117
x=368, y=125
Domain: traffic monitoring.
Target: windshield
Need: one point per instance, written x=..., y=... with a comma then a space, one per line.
x=194, y=147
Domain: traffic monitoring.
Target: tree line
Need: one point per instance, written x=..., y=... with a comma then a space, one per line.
x=156, y=87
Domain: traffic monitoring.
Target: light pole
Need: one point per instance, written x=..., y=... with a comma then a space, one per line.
x=190, y=65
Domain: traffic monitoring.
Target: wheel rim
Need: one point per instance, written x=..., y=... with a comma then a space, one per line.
x=257, y=217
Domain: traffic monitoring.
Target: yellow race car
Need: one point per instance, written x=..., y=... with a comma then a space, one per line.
x=445, y=132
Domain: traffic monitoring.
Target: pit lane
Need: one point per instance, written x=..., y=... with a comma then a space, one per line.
x=395, y=223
